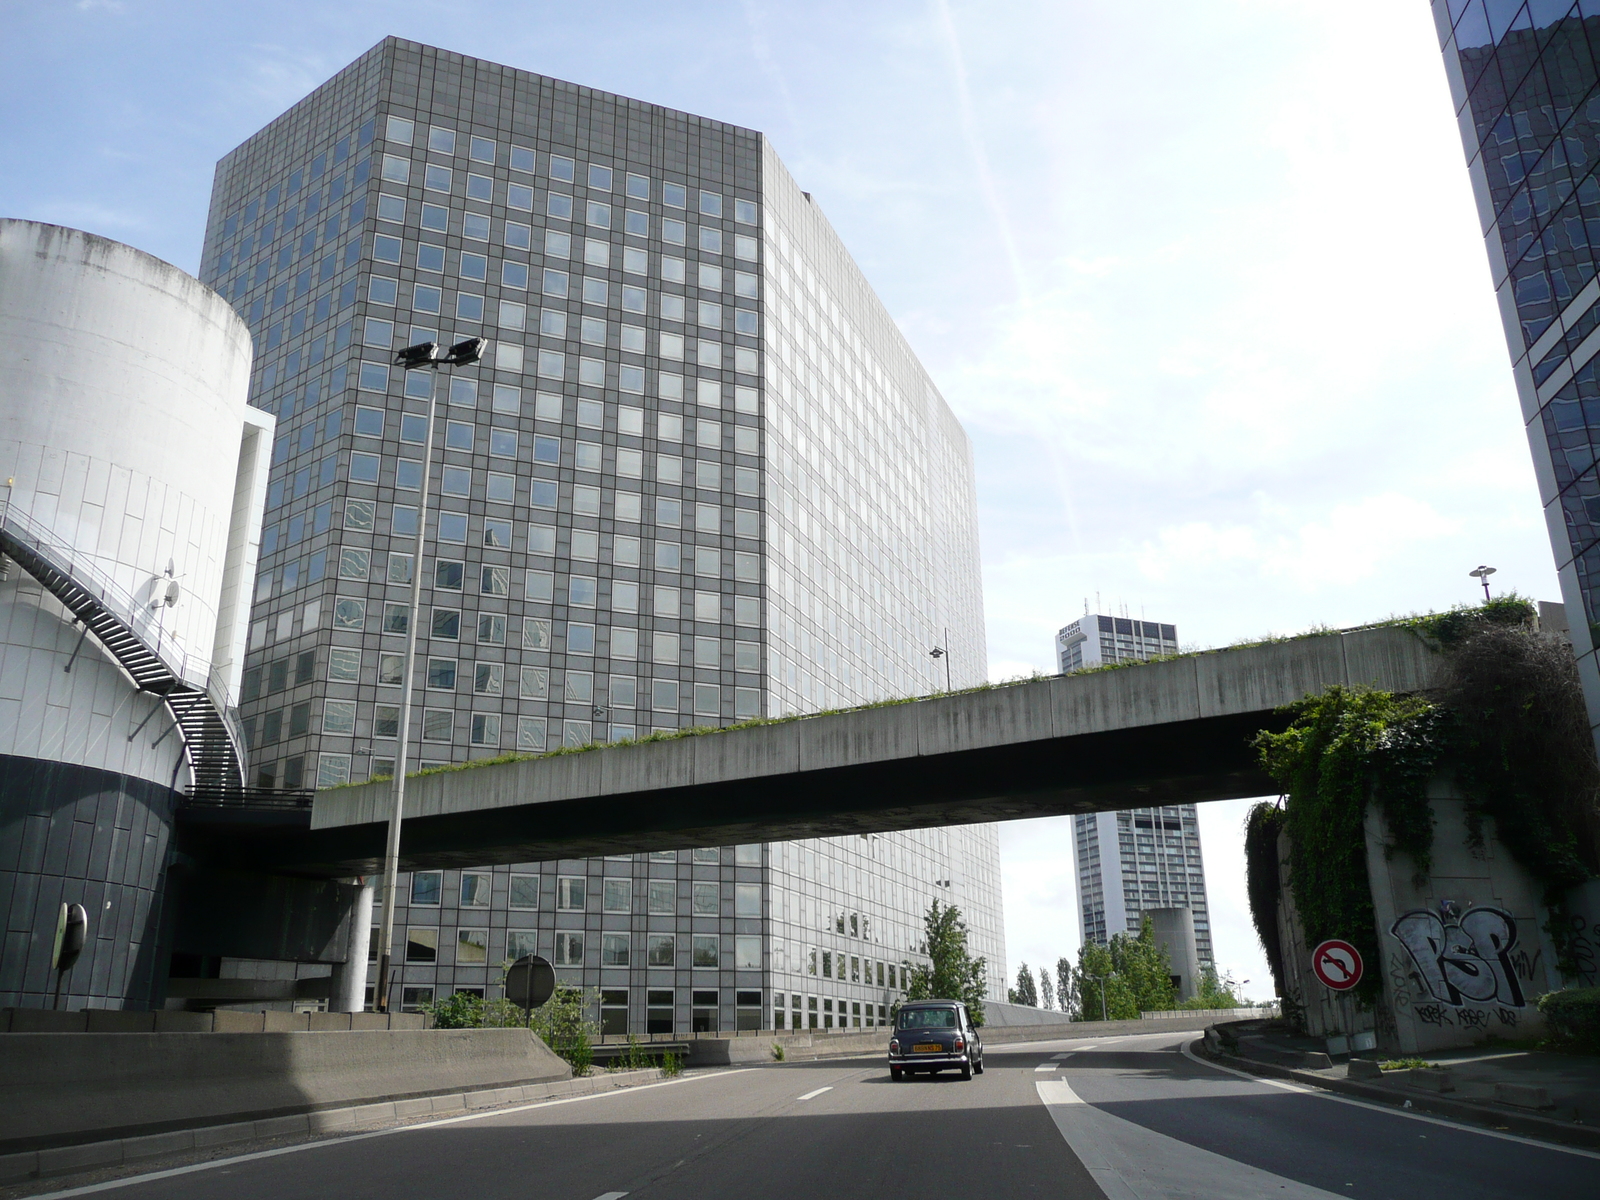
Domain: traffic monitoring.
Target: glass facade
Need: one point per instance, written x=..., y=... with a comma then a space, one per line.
x=1526, y=88
x=698, y=478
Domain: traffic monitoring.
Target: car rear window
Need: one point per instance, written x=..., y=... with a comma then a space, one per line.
x=927, y=1018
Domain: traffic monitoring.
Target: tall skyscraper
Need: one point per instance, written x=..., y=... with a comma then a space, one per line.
x=1526, y=91
x=1140, y=859
x=698, y=478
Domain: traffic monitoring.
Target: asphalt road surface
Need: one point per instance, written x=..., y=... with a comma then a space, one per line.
x=1124, y=1118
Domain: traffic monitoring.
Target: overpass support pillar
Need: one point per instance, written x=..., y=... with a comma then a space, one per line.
x=350, y=977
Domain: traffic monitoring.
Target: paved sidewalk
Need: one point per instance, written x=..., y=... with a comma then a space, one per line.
x=1537, y=1092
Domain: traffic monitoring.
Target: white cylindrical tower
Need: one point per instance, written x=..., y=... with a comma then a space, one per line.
x=130, y=461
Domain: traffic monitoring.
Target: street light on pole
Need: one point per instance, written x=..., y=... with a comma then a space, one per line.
x=432, y=356
x=943, y=651
x=1481, y=574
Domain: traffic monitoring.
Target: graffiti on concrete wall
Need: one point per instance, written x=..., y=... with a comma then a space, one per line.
x=1462, y=958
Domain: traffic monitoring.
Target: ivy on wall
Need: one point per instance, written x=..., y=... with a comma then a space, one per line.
x=1507, y=720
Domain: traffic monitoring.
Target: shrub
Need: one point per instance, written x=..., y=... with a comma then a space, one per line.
x=462, y=1010
x=560, y=1022
x=1574, y=1015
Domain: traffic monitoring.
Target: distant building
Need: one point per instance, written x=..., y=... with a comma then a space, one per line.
x=1096, y=640
x=1139, y=860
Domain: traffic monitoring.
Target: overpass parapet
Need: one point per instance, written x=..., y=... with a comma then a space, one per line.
x=1179, y=723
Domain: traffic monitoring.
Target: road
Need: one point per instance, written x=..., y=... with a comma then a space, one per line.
x=1123, y=1118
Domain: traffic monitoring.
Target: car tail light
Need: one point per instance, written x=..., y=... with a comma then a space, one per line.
x=959, y=1045
x=894, y=1045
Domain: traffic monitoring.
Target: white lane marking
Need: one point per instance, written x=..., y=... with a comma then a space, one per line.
x=1130, y=1162
x=193, y=1168
x=1305, y=1090
x=1047, y=1067
x=1059, y=1057
x=610, y=1196
x=815, y=1094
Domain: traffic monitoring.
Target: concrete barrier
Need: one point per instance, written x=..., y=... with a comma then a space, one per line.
x=223, y=1020
x=61, y=1089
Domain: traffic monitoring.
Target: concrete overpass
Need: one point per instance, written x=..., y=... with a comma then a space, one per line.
x=1151, y=734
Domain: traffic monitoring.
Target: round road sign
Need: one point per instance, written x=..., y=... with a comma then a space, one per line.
x=1337, y=963
x=530, y=981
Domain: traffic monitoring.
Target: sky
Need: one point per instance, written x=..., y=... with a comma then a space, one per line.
x=1203, y=282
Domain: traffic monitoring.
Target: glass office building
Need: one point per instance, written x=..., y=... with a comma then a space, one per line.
x=698, y=478
x=1526, y=89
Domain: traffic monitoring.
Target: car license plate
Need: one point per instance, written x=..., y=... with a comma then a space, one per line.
x=927, y=1048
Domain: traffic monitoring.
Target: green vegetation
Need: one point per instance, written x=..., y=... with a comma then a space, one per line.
x=1214, y=992
x=634, y=1058
x=777, y=1052
x=561, y=1024
x=1404, y=1064
x=1507, y=720
x=954, y=973
x=1117, y=982
x=1574, y=1017
x=1026, y=992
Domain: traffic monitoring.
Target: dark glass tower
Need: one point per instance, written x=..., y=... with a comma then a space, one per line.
x=1525, y=80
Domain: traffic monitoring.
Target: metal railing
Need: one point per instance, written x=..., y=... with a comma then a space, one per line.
x=19, y=531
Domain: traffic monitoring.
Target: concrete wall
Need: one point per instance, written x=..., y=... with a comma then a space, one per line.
x=61, y=1088
x=1463, y=953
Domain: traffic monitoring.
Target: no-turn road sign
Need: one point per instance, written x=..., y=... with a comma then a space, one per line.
x=1337, y=964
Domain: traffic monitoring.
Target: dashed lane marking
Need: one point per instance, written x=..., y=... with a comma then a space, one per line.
x=815, y=1094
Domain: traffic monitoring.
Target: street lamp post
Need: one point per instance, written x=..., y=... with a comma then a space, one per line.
x=1481, y=574
x=943, y=651
x=432, y=356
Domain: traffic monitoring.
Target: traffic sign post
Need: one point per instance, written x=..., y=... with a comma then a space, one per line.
x=530, y=981
x=1337, y=964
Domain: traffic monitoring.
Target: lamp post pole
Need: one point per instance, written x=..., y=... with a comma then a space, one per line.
x=429, y=355
x=943, y=651
x=1481, y=574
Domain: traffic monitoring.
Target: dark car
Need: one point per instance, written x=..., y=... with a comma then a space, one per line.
x=934, y=1036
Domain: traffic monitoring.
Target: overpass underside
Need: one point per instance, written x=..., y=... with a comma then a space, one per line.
x=1157, y=733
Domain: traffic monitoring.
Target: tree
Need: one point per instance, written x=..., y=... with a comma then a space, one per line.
x=953, y=974
x=1214, y=992
x=1025, y=992
x=1067, y=990
x=1047, y=991
x=1119, y=981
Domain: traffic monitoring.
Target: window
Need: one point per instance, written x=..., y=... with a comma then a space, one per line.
x=747, y=953
x=442, y=140
x=427, y=887
x=485, y=729
x=597, y=214
x=672, y=270
x=475, y=889
x=570, y=893
x=663, y=898
x=391, y=669
x=472, y=947
x=339, y=716
x=488, y=678
x=662, y=950
x=530, y=733
x=422, y=945
x=399, y=130
x=705, y=950
x=344, y=665
x=744, y=211
x=479, y=187
x=709, y=277
x=447, y=624
x=706, y=900
x=438, y=724
x=395, y=169
x=523, y=892
x=442, y=674
x=349, y=613
x=614, y=950
x=382, y=290
x=535, y=633
x=569, y=950
x=710, y=204
x=747, y=900
x=710, y=240
x=617, y=895
x=580, y=638
x=386, y=721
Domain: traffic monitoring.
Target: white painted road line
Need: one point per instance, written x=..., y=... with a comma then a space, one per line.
x=1130, y=1162
x=1059, y=1057
x=610, y=1196
x=815, y=1094
x=1047, y=1067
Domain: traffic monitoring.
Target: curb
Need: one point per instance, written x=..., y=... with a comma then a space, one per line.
x=1543, y=1128
x=31, y=1165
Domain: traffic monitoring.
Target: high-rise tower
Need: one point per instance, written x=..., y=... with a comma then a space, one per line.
x=1526, y=90
x=1141, y=859
x=698, y=478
